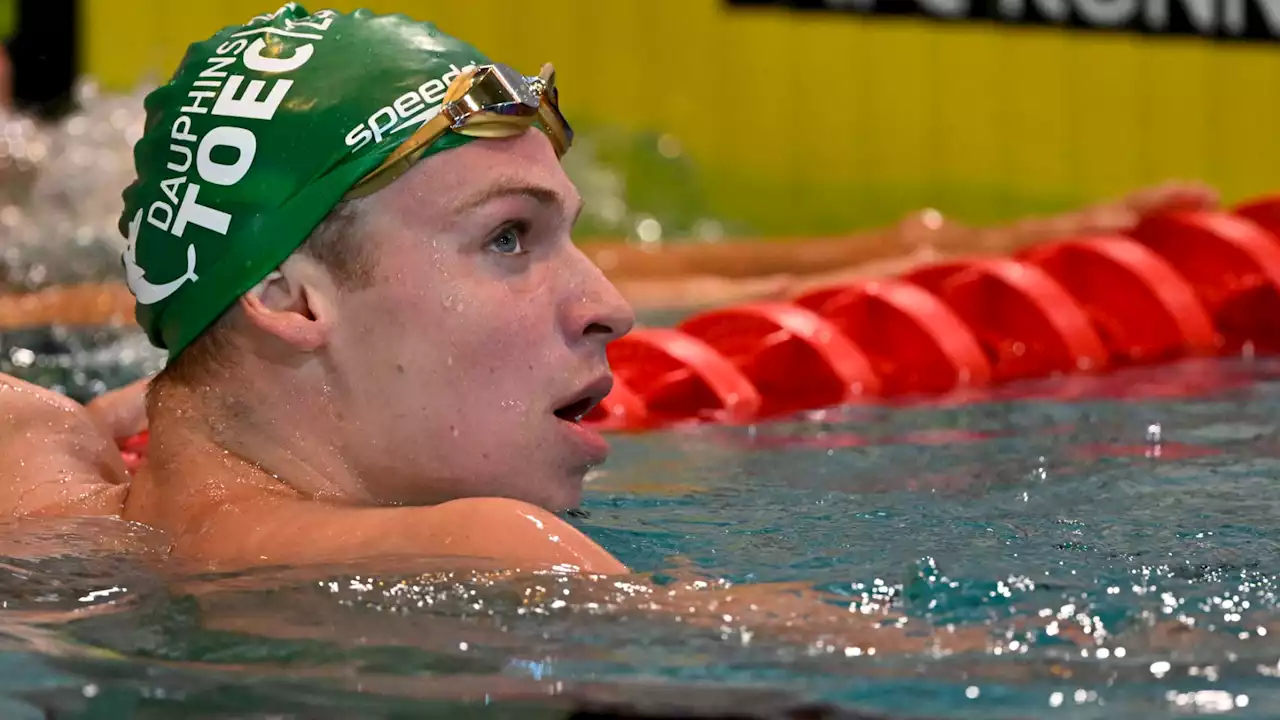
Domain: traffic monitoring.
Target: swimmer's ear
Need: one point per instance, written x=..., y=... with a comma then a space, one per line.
x=292, y=305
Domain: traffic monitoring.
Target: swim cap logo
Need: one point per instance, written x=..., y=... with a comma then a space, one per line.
x=216, y=94
x=408, y=110
x=146, y=292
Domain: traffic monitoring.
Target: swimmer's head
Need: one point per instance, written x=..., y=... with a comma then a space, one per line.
x=257, y=137
x=437, y=330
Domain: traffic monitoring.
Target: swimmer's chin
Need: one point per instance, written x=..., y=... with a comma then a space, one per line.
x=561, y=498
x=562, y=501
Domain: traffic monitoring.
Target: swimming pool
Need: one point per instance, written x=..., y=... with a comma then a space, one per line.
x=1077, y=524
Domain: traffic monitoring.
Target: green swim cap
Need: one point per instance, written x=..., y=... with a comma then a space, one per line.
x=258, y=135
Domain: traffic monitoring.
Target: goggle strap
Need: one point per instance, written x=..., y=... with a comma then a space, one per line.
x=553, y=126
x=548, y=77
x=459, y=88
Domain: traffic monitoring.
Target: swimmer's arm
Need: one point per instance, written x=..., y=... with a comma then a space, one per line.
x=122, y=412
x=798, y=613
x=711, y=290
x=86, y=304
x=498, y=534
x=881, y=251
x=54, y=460
x=478, y=531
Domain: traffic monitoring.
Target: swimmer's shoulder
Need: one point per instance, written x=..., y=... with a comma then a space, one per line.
x=474, y=531
x=54, y=459
x=505, y=528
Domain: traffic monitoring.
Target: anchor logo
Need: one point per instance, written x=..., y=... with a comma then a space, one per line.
x=145, y=292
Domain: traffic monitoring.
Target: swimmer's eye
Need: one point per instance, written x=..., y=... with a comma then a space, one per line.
x=508, y=240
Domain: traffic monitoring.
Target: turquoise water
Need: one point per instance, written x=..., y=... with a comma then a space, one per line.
x=1112, y=546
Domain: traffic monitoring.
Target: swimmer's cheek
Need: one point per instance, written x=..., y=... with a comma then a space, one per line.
x=515, y=531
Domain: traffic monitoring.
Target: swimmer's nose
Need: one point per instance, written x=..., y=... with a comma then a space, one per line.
x=598, y=313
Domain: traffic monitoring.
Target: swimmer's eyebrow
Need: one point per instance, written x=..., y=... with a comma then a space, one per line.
x=538, y=193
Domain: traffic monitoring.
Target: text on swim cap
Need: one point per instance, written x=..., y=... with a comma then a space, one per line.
x=410, y=109
x=217, y=93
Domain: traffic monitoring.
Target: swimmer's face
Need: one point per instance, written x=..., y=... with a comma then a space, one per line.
x=484, y=320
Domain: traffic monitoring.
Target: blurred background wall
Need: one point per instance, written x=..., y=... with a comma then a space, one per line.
x=787, y=122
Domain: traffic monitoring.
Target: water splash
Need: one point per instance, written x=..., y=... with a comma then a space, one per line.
x=60, y=191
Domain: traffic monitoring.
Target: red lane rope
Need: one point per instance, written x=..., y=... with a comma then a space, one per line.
x=1141, y=307
x=1234, y=266
x=795, y=359
x=915, y=342
x=1027, y=323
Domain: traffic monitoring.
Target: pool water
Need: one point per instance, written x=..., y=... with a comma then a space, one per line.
x=1088, y=548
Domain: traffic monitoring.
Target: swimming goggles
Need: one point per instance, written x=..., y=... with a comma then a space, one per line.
x=488, y=101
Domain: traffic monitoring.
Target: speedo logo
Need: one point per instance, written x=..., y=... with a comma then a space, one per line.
x=408, y=110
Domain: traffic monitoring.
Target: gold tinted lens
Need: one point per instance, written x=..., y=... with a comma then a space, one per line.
x=499, y=103
x=492, y=125
x=496, y=90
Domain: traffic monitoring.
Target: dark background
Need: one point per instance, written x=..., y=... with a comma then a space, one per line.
x=985, y=11
x=45, y=56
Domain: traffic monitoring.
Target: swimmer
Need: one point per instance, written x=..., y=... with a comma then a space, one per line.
x=380, y=337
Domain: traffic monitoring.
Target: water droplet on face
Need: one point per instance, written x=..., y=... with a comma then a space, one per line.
x=454, y=429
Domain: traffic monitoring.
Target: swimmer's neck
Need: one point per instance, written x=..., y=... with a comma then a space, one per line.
x=216, y=440
x=212, y=452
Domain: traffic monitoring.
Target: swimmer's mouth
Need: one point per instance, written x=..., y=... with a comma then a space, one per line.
x=584, y=402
